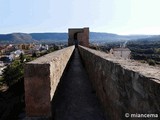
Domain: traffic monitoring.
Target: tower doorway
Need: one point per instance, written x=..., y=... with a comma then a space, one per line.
x=76, y=42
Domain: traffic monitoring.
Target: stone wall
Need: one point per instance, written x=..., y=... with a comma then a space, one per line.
x=123, y=86
x=41, y=79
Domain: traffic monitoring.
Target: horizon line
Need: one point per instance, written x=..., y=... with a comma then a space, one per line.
x=90, y=31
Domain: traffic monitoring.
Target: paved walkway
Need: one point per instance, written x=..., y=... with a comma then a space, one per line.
x=75, y=99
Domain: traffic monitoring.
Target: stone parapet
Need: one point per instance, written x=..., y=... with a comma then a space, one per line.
x=123, y=86
x=41, y=79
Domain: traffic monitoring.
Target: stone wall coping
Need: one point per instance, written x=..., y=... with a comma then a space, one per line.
x=46, y=59
x=41, y=78
x=152, y=72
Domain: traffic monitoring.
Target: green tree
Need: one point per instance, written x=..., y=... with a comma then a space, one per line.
x=34, y=54
x=21, y=57
x=157, y=50
x=13, y=73
x=151, y=62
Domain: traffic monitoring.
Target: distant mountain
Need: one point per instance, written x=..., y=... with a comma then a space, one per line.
x=96, y=36
x=110, y=37
x=52, y=37
x=16, y=38
x=33, y=37
x=49, y=36
x=151, y=38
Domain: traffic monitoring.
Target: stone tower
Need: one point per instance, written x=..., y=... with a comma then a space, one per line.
x=78, y=36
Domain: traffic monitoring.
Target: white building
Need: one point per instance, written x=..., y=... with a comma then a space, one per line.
x=40, y=47
x=1, y=70
x=121, y=52
x=16, y=53
x=1, y=64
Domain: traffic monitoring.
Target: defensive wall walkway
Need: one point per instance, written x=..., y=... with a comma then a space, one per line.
x=75, y=98
x=74, y=84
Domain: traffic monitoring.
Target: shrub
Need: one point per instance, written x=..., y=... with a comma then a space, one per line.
x=13, y=73
x=151, y=62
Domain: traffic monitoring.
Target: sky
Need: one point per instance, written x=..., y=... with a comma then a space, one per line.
x=111, y=16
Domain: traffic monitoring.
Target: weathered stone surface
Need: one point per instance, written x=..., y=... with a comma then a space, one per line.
x=41, y=79
x=123, y=86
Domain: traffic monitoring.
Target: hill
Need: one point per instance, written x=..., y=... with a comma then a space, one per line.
x=16, y=38
x=49, y=36
x=33, y=37
x=52, y=37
